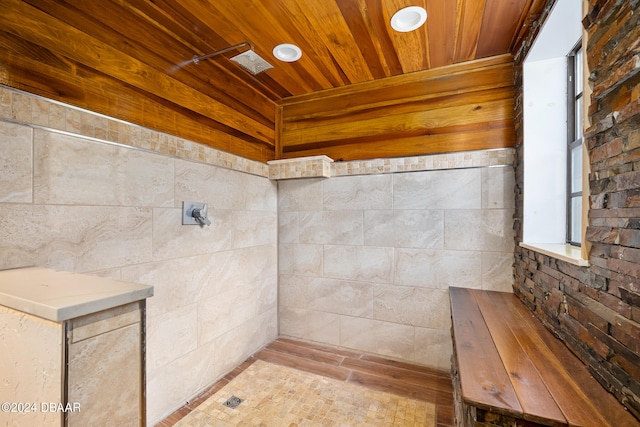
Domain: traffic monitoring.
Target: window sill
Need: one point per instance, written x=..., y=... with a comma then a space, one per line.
x=568, y=253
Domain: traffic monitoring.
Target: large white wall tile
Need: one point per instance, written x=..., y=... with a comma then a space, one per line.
x=171, y=335
x=288, y=227
x=176, y=283
x=433, y=269
x=232, y=307
x=327, y=227
x=448, y=189
x=497, y=271
x=178, y=381
x=479, y=230
x=247, y=228
x=303, y=260
x=310, y=325
x=171, y=239
x=404, y=228
x=15, y=163
x=70, y=170
x=239, y=267
x=364, y=263
x=341, y=297
x=293, y=291
x=412, y=306
x=498, y=188
x=74, y=238
x=239, y=343
x=375, y=336
x=357, y=192
x=434, y=348
x=300, y=195
x=261, y=194
x=219, y=188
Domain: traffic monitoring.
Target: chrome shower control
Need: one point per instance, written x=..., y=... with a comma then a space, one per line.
x=201, y=215
x=195, y=213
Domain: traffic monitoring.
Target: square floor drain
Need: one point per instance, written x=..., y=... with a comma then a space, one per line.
x=233, y=402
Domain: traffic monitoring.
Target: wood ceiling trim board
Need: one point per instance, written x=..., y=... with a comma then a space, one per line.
x=21, y=47
x=449, y=131
x=109, y=29
x=441, y=25
x=278, y=148
x=327, y=20
x=412, y=47
x=500, y=61
x=352, y=13
x=435, y=102
x=469, y=29
x=423, y=145
x=498, y=26
x=380, y=96
x=407, y=122
x=40, y=28
x=380, y=28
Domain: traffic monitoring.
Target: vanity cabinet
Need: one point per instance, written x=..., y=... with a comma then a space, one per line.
x=71, y=349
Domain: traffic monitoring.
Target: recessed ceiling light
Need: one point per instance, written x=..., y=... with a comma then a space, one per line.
x=408, y=19
x=287, y=52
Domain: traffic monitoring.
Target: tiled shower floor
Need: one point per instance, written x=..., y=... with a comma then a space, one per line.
x=415, y=382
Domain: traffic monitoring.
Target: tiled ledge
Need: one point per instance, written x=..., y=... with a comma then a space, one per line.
x=303, y=167
x=31, y=110
x=465, y=159
x=323, y=166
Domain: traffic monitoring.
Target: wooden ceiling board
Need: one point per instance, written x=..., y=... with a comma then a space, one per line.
x=382, y=37
x=441, y=26
x=322, y=71
x=412, y=47
x=499, y=25
x=358, y=20
x=143, y=49
x=469, y=23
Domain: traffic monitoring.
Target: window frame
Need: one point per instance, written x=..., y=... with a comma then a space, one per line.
x=575, y=91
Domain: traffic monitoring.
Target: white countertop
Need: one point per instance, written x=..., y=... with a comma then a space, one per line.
x=58, y=295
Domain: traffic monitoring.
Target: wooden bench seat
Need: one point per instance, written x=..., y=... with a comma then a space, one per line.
x=507, y=366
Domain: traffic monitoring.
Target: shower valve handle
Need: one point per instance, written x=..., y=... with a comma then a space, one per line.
x=200, y=215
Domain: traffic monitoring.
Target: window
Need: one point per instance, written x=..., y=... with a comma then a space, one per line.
x=552, y=132
x=574, y=146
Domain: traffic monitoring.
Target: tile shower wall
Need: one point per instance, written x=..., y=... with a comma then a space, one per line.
x=78, y=204
x=365, y=262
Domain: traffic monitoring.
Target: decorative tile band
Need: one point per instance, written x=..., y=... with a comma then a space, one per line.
x=323, y=166
x=465, y=159
x=24, y=108
x=303, y=167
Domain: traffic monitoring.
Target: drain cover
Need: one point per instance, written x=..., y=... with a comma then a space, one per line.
x=233, y=402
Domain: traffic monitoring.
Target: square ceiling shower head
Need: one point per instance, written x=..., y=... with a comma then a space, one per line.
x=252, y=62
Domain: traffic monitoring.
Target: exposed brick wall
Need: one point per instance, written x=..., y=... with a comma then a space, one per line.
x=596, y=309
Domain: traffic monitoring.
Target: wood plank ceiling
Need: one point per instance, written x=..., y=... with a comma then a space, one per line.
x=129, y=59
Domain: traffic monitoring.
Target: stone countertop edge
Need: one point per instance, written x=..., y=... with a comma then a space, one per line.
x=59, y=296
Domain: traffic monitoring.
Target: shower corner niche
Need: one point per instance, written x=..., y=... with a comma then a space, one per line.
x=72, y=349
